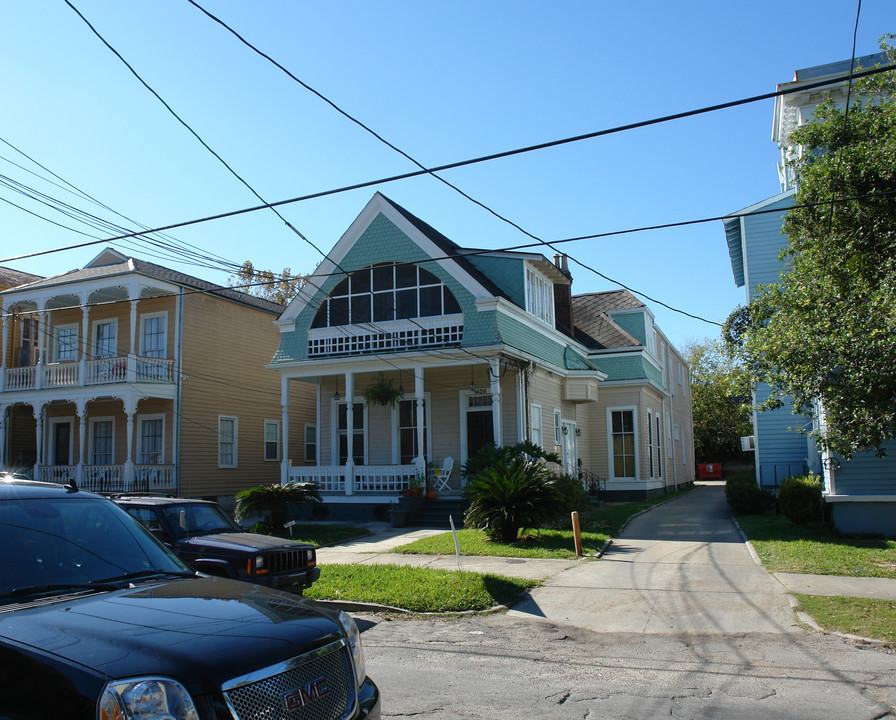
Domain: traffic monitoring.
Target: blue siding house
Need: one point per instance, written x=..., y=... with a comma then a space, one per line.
x=860, y=492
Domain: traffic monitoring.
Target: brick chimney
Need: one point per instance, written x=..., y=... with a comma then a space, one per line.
x=563, y=298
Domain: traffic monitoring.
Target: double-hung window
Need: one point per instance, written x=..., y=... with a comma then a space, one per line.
x=105, y=339
x=101, y=442
x=539, y=296
x=66, y=337
x=311, y=443
x=152, y=335
x=227, y=441
x=535, y=431
x=151, y=449
x=271, y=440
x=622, y=443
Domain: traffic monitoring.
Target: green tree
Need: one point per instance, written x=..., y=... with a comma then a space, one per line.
x=825, y=332
x=265, y=284
x=720, y=400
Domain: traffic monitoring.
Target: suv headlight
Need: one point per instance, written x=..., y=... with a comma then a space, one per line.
x=147, y=698
x=353, y=636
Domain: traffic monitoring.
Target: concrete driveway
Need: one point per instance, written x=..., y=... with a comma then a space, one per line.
x=680, y=568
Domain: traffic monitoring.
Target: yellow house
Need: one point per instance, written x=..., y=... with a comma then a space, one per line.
x=128, y=376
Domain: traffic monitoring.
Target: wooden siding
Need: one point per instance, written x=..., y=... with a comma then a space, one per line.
x=225, y=349
x=867, y=474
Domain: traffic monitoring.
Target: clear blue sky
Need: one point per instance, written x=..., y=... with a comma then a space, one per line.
x=442, y=81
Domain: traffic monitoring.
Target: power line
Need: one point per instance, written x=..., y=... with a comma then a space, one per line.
x=459, y=164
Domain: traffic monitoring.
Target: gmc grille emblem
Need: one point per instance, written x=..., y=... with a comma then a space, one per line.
x=301, y=697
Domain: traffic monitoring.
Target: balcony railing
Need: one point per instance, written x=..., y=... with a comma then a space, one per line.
x=103, y=371
x=367, y=478
x=386, y=336
x=112, y=478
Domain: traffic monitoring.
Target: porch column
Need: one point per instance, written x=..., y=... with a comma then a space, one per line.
x=3, y=356
x=130, y=409
x=494, y=376
x=132, y=353
x=350, y=434
x=38, y=409
x=85, y=344
x=3, y=410
x=43, y=342
x=418, y=395
x=284, y=403
x=81, y=411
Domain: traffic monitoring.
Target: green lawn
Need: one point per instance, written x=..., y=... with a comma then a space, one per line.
x=819, y=550
x=597, y=527
x=855, y=616
x=320, y=534
x=417, y=589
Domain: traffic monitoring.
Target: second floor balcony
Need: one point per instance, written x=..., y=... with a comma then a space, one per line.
x=388, y=336
x=103, y=371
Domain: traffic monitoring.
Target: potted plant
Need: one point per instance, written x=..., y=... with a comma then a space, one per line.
x=398, y=517
x=382, y=391
x=414, y=488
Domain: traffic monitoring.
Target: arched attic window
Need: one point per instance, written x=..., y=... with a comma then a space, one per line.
x=390, y=291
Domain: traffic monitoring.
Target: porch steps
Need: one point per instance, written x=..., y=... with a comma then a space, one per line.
x=434, y=513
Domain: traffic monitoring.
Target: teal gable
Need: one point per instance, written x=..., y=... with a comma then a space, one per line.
x=632, y=367
x=381, y=242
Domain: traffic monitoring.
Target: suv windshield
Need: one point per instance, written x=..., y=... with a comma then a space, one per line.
x=198, y=519
x=72, y=540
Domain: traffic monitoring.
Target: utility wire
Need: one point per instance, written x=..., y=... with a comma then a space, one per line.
x=464, y=163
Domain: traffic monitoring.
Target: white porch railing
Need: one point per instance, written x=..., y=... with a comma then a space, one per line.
x=62, y=375
x=21, y=378
x=104, y=371
x=367, y=478
x=158, y=370
x=111, y=478
x=155, y=478
x=107, y=370
x=59, y=474
x=392, y=335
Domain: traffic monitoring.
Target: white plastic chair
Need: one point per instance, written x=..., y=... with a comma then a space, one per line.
x=440, y=475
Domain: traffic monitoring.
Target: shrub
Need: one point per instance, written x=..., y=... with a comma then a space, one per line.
x=744, y=495
x=570, y=492
x=799, y=498
x=510, y=495
x=274, y=500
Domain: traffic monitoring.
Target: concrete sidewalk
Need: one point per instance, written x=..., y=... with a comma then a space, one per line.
x=375, y=549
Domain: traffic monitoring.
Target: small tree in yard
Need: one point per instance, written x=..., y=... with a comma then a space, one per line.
x=510, y=494
x=274, y=500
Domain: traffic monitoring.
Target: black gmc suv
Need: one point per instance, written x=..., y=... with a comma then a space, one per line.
x=207, y=539
x=100, y=621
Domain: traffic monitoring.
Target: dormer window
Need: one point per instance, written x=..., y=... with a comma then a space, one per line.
x=540, y=296
x=386, y=292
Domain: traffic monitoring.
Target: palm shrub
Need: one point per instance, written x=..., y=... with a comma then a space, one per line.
x=274, y=500
x=509, y=495
x=800, y=498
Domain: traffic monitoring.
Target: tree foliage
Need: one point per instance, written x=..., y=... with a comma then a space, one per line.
x=720, y=400
x=266, y=284
x=824, y=334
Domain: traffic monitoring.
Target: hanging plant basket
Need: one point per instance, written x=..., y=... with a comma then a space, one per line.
x=382, y=392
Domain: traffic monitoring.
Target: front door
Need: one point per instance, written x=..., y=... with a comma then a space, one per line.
x=480, y=431
x=61, y=452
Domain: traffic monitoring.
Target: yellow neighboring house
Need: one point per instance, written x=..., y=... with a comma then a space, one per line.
x=128, y=376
